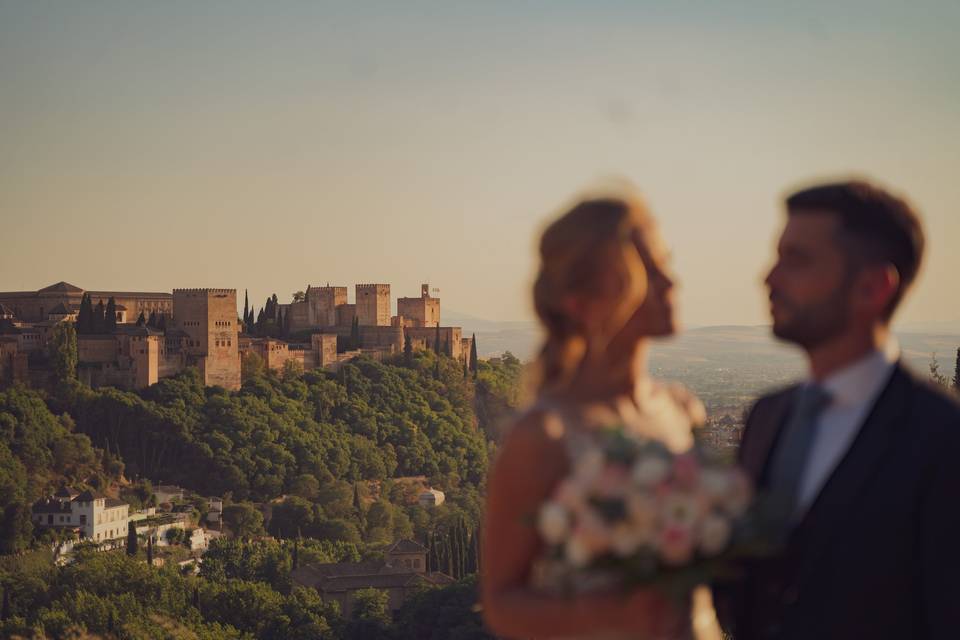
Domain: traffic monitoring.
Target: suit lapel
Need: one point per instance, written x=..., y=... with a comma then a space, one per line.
x=761, y=433
x=857, y=466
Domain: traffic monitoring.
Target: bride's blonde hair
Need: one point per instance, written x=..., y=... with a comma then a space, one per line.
x=594, y=239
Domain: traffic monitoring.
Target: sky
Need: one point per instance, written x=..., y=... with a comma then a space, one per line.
x=271, y=145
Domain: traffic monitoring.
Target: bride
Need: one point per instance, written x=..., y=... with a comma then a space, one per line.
x=604, y=289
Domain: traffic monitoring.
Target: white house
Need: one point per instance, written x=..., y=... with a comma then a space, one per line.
x=215, y=506
x=97, y=518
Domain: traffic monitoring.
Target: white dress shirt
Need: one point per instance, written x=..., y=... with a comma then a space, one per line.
x=854, y=390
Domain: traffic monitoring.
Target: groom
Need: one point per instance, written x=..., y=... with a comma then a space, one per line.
x=863, y=458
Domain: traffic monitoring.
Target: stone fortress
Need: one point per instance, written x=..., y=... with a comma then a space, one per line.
x=201, y=329
x=324, y=316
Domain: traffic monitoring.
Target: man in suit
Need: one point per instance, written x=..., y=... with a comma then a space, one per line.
x=863, y=458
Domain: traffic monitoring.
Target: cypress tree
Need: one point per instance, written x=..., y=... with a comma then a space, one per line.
x=141, y=320
x=446, y=347
x=436, y=367
x=196, y=597
x=473, y=356
x=110, y=319
x=436, y=341
x=152, y=320
x=956, y=373
x=466, y=372
x=286, y=323
x=162, y=322
x=132, y=543
x=99, y=318
x=260, y=321
x=246, y=305
x=276, y=304
x=150, y=549
x=295, y=560
x=85, y=315
x=407, y=350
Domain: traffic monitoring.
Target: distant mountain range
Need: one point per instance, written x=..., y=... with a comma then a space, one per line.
x=718, y=346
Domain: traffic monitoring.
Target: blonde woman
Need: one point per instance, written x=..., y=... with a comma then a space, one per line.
x=603, y=290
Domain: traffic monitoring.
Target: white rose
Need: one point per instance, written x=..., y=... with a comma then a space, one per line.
x=714, y=534
x=650, y=470
x=577, y=552
x=589, y=465
x=553, y=523
x=715, y=483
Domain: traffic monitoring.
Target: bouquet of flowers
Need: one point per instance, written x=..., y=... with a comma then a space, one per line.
x=633, y=513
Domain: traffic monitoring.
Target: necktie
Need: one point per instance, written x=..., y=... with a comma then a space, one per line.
x=793, y=450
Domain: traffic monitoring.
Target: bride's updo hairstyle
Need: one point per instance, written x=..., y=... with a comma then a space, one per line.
x=588, y=254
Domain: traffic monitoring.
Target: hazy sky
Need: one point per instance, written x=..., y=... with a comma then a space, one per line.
x=268, y=145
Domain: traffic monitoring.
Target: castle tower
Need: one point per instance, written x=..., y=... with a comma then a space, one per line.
x=420, y=312
x=209, y=318
x=322, y=304
x=373, y=305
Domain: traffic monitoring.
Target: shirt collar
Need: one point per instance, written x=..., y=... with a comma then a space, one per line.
x=861, y=381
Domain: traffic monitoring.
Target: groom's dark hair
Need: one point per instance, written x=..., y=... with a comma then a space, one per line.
x=876, y=226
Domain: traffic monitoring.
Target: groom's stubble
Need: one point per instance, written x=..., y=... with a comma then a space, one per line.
x=813, y=324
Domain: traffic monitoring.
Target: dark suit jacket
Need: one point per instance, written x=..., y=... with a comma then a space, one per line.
x=877, y=556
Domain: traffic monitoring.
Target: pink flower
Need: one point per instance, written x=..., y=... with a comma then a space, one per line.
x=686, y=470
x=570, y=494
x=612, y=482
x=676, y=545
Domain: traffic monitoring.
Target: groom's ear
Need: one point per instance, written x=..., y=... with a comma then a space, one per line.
x=876, y=287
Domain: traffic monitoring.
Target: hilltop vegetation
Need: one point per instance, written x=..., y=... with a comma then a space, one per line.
x=340, y=457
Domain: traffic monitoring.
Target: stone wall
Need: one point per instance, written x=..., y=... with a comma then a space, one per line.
x=97, y=349
x=136, y=303
x=345, y=315
x=451, y=338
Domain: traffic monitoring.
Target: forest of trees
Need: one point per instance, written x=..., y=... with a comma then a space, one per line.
x=343, y=450
x=243, y=592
